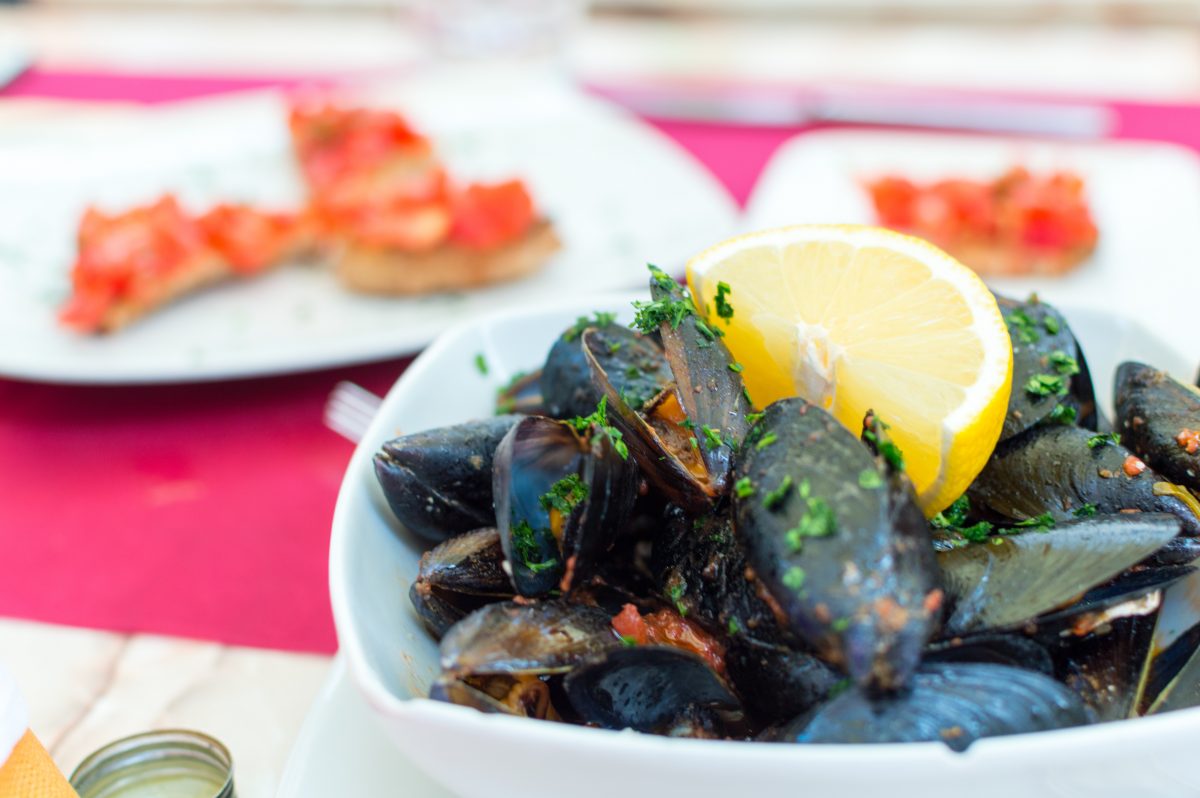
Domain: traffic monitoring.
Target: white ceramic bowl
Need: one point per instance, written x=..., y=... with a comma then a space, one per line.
x=373, y=560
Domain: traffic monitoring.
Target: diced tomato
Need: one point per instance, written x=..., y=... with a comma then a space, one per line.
x=333, y=143
x=488, y=216
x=250, y=239
x=669, y=628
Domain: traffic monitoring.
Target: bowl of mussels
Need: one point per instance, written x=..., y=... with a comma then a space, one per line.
x=543, y=585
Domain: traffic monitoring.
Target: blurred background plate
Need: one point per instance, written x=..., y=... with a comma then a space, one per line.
x=1145, y=199
x=619, y=193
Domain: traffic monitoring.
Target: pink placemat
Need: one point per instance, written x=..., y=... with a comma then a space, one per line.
x=204, y=510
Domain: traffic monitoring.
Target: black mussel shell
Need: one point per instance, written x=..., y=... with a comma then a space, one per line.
x=561, y=499
x=709, y=383
x=1066, y=471
x=1172, y=670
x=498, y=694
x=540, y=638
x=439, y=482
x=471, y=563
x=437, y=610
x=1044, y=347
x=777, y=683
x=645, y=688
x=956, y=703
x=1154, y=413
x=1105, y=667
x=998, y=649
x=853, y=573
x=1010, y=580
x=700, y=566
x=635, y=363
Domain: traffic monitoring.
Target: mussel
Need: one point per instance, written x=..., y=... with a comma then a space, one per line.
x=1159, y=419
x=842, y=550
x=457, y=576
x=439, y=482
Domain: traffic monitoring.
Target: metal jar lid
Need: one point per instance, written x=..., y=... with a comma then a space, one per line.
x=172, y=763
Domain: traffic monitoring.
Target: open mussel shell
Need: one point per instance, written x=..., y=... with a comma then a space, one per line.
x=1043, y=346
x=1013, y=650
x=1154, y=414
x=498, y=694
x=1171, y=676
x=561, y=499
x=646, y=688
x=457, y=576
x=636, y=365
x=1010, y=580
x=1105, y=667
x=955, y=703
x=657, y=441
x=816, y=515
x=709, y=382
x=700, y=566
x=540, y=638
x=1054, y=470
x=439, y=482
x=439, y=610
x=777, y=683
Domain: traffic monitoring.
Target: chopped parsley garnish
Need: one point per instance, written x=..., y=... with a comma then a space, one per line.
x=614, y=347
x=766, y=441
x=649, y=316
x=711, y=333
x=736, y=368
x=632, y=372
x=661, y=278
x=1062, y=414
x=712, y=437
x=525, y=546
x=869, y=478
x=565, y=495
x=743, y=488
x=1046, y=385
x=695, y=443
x=1104, y=439
x=752, y=418
x=734, y=626
x=600, y=318
x=675, y=594
x=600, y=419
x=818, y=521
x=1085, y=510
x=1063, y=363
x=481, y=364
x=1023, y=326
x=724, y=309
x=775, y=497
x=953, y=516
x=628, y=640
x=746, y=394
x=793, y=578
x=976, y=533
x=1043, y=521
x=889, y=451
x=1051, y=324
x=840, y=624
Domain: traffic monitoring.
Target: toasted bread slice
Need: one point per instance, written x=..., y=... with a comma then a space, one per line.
x=203, y=270
x=448, y=267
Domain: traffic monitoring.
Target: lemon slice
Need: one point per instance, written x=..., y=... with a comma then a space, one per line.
x=857, y=318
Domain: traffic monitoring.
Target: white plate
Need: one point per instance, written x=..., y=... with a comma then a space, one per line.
x=393, y=660
x=1145, y=199
x=619, y=192
x=342, y=751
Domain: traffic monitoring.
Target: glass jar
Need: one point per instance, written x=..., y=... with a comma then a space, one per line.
x=172, y=763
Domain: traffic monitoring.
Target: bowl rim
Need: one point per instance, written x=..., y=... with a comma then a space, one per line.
x=1005, y=751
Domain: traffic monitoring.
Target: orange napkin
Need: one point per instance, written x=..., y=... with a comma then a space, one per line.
x=31, y=773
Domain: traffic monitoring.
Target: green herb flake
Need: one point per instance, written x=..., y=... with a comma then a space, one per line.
x=661, y=278
x=628, y=641
x=695, y=443
x=1023, y=326
x=736, y=368
x=724, y=309
x=564, y=495
x=743, y=488
x=710, y=333
x=1062, y=414
x=481, y=364
x=818, y=521
x=746, y=396
x=977, y=533
x=774, y=498
x=840, y=624
x=793, y=578
x=1051, y=324
x=650, y=316
x=675, y=595
x=892, y=454
x=1085, y=510
x=599, y=318
x=953, y=516
x=712, y=437
x=766, y=441
x=1043, y=521
x=734, y=626
x=1104, y=439
x=526, y=547
x=753, y=418
x=1046, y=385
x=632, y=372
x=599, y=419
x=869, y=479
x=1063, y=363
x=614, y=347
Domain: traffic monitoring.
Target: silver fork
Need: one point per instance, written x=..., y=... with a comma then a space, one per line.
x=349, y=410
